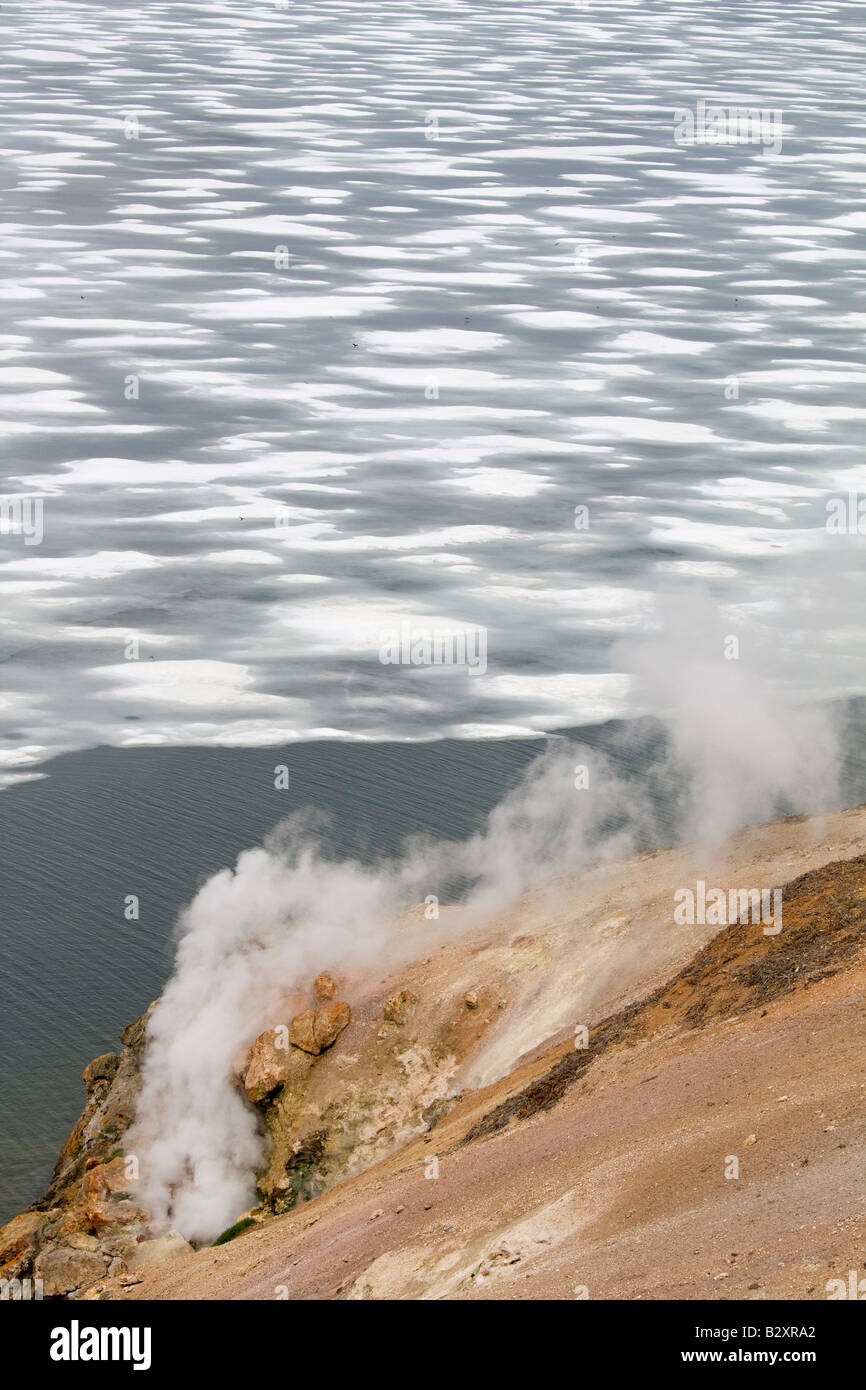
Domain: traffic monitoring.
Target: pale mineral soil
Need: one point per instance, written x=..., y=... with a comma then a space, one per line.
x=603, y=1173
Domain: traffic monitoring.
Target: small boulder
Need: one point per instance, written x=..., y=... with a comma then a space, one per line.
x=302, y=1032
x=330, y=1021
x=96, y=1198
x=63, y=1270
x=398, y=1009
x=470, y=999
x=106, y=1199
x=135, y=1034
x=324, y=987
x=266, y=1067
x=18, y=1242
x=316, y=1029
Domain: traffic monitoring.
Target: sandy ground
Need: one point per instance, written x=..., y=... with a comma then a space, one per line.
x=619, y=1189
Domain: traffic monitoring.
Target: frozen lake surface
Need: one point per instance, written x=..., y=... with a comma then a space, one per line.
x=324, y=317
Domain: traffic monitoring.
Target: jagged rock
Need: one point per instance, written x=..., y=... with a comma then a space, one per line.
x=151, y=1252
x=102, y=1068
x=470, y=999
x=105, y=1196
x=19, y=1240
x=330, y=1021
x=315, y=1029
x=324, y=987
x=302, y=1032
x=73, y=1220
x=93, y=1196
x=108, y=1112
x=64, y=1269
x=89, y=1215
x=266, y=1068
x=134, y=1034
x=398, y=1008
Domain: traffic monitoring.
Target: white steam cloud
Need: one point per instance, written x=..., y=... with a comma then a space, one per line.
x=739, y=752
x=733, y=754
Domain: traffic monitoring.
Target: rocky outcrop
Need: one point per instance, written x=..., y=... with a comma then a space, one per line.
x=64, y=1269
x=327, y=1119
x=408, y=1067
x=111, y=1092
x=599, y=1167
x=19, y=1242
x=322, y=1119
x=89, y=1221
x=267, y=1067
x=314, y=1030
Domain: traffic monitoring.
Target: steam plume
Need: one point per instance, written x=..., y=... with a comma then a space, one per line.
x=733, y=752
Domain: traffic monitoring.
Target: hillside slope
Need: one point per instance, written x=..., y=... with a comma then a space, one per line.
x=551, y=1099
x=608, y=1171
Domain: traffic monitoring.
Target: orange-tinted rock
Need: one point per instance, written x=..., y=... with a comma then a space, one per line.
x=398, y=1008
x=302, y=1031
x=324, y=987
x=19, y=1240
x=266, y=1068
x=118, y=1178
x=330, y=1021
x=316, y=1029
x=94, y=1195
x=107, y=1195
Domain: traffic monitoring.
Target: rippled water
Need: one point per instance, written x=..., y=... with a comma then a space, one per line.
x=324, y=316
